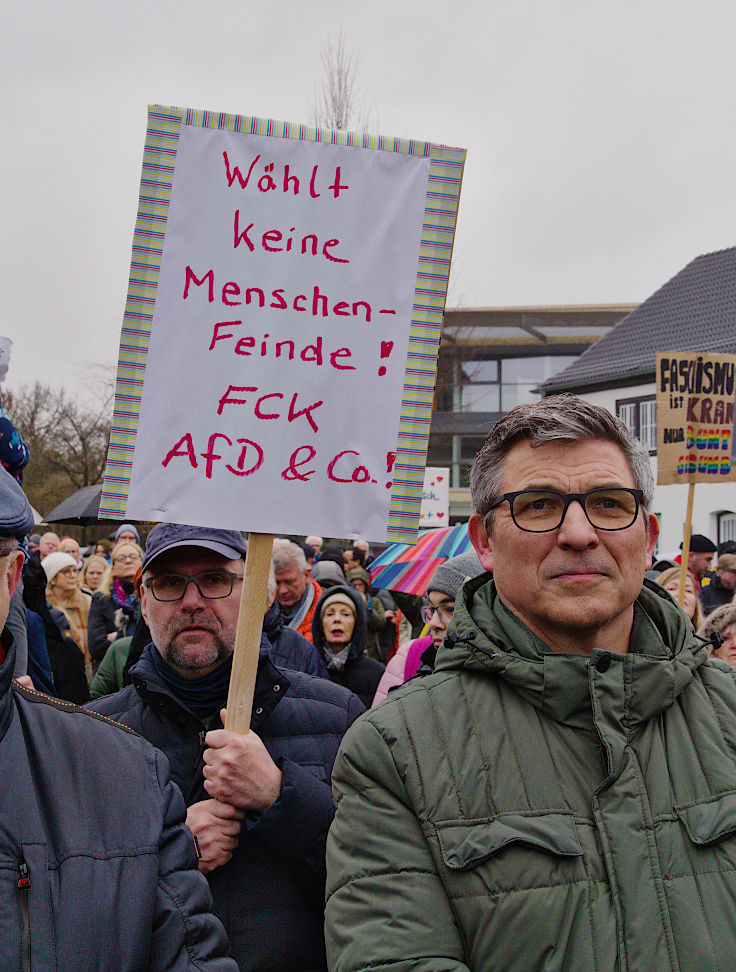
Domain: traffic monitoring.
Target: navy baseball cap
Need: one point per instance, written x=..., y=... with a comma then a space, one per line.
x=16, y=515
x=167, y=536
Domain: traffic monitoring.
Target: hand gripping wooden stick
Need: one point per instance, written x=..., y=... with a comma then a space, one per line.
x=248, y=636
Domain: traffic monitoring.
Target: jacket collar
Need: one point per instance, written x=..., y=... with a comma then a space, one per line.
x=271, y=686
x=662, y=658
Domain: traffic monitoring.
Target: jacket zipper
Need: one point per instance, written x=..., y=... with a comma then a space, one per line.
x=24, y=886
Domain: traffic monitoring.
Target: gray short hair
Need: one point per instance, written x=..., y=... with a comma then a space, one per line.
x=559, y=418
x=288, y=555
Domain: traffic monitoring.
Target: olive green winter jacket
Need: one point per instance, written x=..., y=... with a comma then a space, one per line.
x=525, y=810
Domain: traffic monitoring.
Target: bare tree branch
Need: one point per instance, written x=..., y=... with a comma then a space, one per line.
x=338, y=104
x=67, y=438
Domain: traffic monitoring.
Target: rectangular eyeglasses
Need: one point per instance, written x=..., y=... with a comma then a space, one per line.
x=212, y=584
x=543, y=510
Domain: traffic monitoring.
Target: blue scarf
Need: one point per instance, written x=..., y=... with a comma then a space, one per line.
x=203, y=696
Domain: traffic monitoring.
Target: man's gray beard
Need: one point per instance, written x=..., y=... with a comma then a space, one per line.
x=185, y=659
x=182, y=658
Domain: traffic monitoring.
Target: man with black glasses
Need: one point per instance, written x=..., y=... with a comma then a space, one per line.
x=559, y=794
x=258, y=804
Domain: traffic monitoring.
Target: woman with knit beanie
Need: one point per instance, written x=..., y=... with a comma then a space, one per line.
x=64, y=594
x=339, y=628
x=442, y=590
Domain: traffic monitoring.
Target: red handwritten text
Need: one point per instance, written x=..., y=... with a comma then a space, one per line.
x=288, y=181
x=259, y=409
x=317, y=305
x=249, y=458
x=309, y=243
x=247, y=346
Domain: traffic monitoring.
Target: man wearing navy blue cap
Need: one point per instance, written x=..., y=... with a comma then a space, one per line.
x=98, y=868
x=259, y=804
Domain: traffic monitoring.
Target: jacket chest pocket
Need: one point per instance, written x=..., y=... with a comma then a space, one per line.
x=511, y=852
x=710, y=834
x=515, y=882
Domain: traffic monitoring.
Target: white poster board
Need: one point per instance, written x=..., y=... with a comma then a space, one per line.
x=435, y=510
x=276, y=361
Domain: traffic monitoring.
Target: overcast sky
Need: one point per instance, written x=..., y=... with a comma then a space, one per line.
x=600, y=139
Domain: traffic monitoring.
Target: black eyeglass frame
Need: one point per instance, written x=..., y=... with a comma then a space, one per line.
x=191, y=579
x=427, y=612
x=638, y=495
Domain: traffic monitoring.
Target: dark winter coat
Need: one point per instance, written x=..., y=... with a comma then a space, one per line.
x=270, y=895
x=65, y=656
x=714, y=594
x=106, y=616
x=97, y=868
x=361, y=674
x=289, y=649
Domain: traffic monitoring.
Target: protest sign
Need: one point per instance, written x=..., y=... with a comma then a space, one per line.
x=279, y=345
x=695, y=417
x=435, y=509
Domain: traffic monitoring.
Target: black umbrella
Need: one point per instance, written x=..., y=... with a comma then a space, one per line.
x=81, y=507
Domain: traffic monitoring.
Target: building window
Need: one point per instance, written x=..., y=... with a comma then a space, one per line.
x=639, y=415
x=497, y=385
x=726, y=527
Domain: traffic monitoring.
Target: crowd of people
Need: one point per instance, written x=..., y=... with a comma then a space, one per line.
x=549, y=789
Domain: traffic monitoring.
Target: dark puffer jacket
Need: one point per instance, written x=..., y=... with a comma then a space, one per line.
x=95, y=831
x=270, y=895
x=289, y=649
x=361, y=674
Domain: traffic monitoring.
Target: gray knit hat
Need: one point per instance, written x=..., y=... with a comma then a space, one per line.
x=450, y=576
x=327, y=572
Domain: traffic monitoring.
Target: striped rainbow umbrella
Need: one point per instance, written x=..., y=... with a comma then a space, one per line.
x=408, y=567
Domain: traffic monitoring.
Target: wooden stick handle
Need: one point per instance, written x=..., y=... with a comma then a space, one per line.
x=248, y=637
x=686, y=543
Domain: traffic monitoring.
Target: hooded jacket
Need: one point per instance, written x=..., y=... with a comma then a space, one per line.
x=361, y=674
x=97, y=867
x=549, y=811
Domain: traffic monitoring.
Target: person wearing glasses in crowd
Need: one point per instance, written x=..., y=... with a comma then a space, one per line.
x=559, y=794
x=259, y=804
x=70, y=602
x=418, y=656
x=114, y=610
